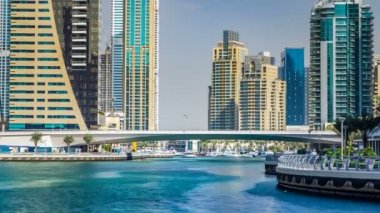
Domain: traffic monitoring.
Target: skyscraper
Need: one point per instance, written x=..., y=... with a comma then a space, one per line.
x=228, y=60
x=140, y=64
x=41, y=96
x=105, y=82
x=4, y=60
x=117, y=35
x=262, y=95
x=293, y=65
x=341, y=46
x=78, y=28
x=376, y=88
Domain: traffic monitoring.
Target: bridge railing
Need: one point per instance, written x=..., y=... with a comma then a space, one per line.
x=316, y=162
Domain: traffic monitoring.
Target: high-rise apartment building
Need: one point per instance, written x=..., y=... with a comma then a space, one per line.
x=262, y=95
x=293, y=67
x=4, y=60
x=228, y=60
x=40, y=92
x=117, y=35
x=341, y=48
x=78, y=28
x=105, y=82
x=376, y=83
x=140, y=64
x=376, y=75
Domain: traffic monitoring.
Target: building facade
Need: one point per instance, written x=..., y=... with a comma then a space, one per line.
x=293, y=67
x=140, y=65
x=376, y=84
x=78, y=28
x=228, y=60
x=4, y=60
x=262, y=96
x=105, y=82
x=341, y=48
x=117, y=35
x=40, y=92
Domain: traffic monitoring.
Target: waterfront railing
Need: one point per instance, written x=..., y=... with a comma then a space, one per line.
x=316, y=162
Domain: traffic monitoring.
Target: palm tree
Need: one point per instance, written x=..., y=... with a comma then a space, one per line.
x=36, y=138
x=88, y=138
x=69, y=139
x=362, y=125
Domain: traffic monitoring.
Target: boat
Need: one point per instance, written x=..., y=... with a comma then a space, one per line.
x=247, y=155
x=228, y=153
x=190, y=155
x=179, y=154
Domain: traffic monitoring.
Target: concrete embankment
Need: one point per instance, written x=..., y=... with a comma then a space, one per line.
x=320, y=175
x=74, y=157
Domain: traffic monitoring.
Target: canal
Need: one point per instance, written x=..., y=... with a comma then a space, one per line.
x=174, y=185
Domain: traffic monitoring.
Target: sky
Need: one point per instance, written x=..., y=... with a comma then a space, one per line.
x=190, y=29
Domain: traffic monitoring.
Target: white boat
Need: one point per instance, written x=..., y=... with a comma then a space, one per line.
x=179, y=154
x=228, y=154
x=247, y=155
x=254, y=154
x=190, y=155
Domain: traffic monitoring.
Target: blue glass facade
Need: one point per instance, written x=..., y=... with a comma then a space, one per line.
x=117, y=54
x=4, y=57
x=293, y=66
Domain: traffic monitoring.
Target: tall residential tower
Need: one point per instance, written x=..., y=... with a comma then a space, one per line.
x=41, y=96
x=4, y=60
x=117, y=35
x=228, y=60
x=262, y=95
x=105, y=82
x=78, y=28
x=341, y=49
x=140, y=64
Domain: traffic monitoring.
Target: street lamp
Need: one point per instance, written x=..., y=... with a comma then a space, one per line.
x=309, y=137
x=342, y=136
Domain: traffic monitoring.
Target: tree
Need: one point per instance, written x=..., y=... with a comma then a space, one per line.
x=36, y=138
x=363, y=125
x=69, y=139
x=88, y=139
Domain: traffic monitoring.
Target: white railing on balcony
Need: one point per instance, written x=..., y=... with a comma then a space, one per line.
x=316, y=162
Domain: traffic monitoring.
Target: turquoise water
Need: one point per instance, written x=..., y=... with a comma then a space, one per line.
x=175, y=185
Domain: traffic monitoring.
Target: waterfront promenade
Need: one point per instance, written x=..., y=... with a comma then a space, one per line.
x=319, y=174
x=47, y=157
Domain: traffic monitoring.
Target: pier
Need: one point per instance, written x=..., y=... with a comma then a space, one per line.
x=359, y=178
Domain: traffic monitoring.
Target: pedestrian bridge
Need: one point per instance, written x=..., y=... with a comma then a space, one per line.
x=55, y=138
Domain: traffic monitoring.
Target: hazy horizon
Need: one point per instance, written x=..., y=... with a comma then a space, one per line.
x=189, y=29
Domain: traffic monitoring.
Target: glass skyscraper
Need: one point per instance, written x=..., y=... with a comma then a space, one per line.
x=341, y=49
x=293, y=67
x=4, y=59
x=140, y=64
x=117, y=29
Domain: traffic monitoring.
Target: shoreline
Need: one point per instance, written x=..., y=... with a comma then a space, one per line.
x=75, y=157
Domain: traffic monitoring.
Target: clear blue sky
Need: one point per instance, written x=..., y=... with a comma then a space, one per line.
x=189, y=29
